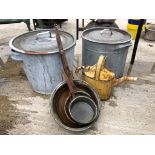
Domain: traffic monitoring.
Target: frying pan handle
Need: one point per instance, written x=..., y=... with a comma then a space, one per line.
x=99, y=66
x=66, y=71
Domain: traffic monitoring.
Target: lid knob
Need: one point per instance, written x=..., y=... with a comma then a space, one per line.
x=106, y=30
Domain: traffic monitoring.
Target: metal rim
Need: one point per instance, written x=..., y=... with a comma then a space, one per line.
x=66, y=102
x=56, y=118
x=95, y=113
x=98, y=28
x=55, y=51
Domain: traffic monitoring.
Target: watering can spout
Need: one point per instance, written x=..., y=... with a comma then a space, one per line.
x=122, y=79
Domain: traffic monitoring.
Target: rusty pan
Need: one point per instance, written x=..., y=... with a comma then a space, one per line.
x=56, y=111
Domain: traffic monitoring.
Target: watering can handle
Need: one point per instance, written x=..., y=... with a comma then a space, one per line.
x=99, y=66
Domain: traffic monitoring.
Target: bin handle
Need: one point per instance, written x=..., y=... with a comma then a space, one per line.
x=16, y=56
x=99, y=66
x=127, y=45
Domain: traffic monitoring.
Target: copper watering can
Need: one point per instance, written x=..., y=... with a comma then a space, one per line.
x=101, y=79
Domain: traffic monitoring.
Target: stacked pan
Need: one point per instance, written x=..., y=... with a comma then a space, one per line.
x=76, y=114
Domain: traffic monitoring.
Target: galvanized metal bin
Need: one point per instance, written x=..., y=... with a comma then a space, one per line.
x=40, y=57
x=111, y=42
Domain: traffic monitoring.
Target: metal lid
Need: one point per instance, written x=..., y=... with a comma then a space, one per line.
x=41, y=42
x=106, y=35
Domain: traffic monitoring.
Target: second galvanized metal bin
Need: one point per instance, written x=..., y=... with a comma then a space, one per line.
x=111, y=42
